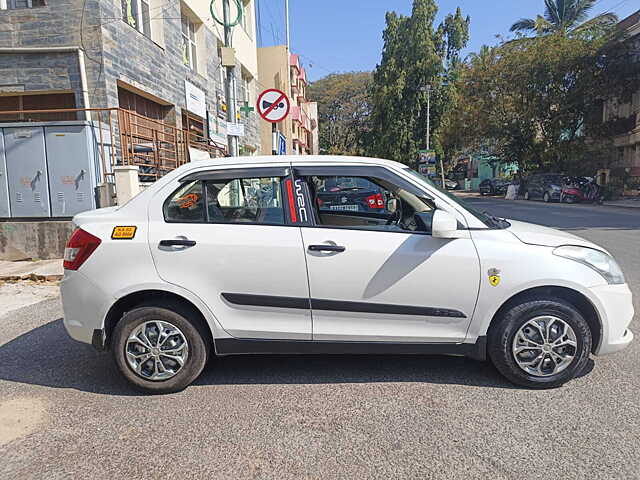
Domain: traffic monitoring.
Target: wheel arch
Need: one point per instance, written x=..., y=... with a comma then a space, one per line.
x=574, y=297
x=156, y=298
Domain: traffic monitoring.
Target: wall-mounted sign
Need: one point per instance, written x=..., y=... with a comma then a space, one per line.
x=282, y=144
x=196, y=99
x=235, y=129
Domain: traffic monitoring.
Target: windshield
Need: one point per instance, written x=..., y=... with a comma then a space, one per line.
x=489, y=220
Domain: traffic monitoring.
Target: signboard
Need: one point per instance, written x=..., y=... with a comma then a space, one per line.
x=282, y=144
x=427, y=157
x=217, y=129
x=235, y=129
x=273, y=105
x=196, y=100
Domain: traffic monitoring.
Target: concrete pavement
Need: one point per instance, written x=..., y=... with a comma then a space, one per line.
x=270, y=417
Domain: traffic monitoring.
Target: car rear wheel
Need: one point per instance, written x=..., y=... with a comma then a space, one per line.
x=540, y=343
x=159, y=350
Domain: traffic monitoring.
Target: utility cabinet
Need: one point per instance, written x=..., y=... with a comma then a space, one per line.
x=27, y=172
x=71, y=170
x=4, y=186
x=50, y=169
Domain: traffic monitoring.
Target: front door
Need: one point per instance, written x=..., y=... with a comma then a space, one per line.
x=225, y=237
x=375, y=272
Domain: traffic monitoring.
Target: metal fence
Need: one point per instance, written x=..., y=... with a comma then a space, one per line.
x=124, y=137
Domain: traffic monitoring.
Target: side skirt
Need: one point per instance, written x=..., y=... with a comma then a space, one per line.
x=235, y=346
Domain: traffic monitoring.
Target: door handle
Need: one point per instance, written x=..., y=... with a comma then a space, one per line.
x=177, y=243
x=326, y=248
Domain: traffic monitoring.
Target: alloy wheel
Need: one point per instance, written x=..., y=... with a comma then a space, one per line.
x=156, y=350
x=544, y=346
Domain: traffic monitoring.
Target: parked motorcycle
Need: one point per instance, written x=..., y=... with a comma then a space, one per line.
x=581, y=189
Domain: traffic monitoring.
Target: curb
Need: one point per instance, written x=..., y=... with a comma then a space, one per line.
x=30, y=277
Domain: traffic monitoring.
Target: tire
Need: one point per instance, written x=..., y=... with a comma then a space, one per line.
x=503, y=332
x=546, y=197
x=197, y=348
x=526, y=195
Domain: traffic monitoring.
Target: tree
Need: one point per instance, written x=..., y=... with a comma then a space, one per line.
x=414, y=55
x=566, y=16
x=534, y=102
x=343, y=111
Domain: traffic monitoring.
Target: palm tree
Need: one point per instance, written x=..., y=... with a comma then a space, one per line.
x=565, y=16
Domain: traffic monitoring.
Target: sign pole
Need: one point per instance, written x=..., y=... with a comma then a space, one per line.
x=230, y=86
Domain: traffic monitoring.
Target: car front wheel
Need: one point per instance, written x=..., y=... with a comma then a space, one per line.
x=540, y=343
x=158, y=350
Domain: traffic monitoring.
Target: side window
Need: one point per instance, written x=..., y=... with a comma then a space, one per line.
x=186, y=205
x=368, y=203
x=246, y=200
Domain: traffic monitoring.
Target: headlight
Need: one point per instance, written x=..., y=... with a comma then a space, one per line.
x=602, y=263
x=555, y=188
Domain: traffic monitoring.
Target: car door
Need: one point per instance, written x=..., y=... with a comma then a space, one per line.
x=224, y=235
x=371, y=280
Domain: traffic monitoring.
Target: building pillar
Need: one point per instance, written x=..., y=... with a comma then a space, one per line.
x=127, y=182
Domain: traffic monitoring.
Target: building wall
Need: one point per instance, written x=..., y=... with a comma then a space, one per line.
x=273, y=70
x=119, y=55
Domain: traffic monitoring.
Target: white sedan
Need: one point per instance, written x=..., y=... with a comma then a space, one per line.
x=242, y=255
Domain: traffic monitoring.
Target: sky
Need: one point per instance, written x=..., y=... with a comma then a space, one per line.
x=346, y=35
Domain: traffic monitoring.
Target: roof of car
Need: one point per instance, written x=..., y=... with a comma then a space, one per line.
x=262, y=159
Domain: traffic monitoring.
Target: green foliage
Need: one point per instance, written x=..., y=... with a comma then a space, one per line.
x=414, y=55
x=343, y=110
x=539, y=102
x=566, y=16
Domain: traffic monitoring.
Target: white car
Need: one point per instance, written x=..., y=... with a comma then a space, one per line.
x=239, y=255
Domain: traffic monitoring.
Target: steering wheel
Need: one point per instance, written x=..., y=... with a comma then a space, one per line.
x=395, y=217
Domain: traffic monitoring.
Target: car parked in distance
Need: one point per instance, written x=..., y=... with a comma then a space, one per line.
x=350, y=194
x=493, y=186
x=448, y=183
x=544, y=186
x=239, y=256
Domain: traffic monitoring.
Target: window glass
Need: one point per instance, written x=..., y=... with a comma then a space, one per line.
x=186, y=205
x=367, y=203
x=247, y=200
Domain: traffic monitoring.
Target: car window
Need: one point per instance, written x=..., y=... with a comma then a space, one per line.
x=186, y=205
x=365, y=203
x=247, y=200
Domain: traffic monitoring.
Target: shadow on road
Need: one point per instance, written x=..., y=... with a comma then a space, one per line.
x=46, y=356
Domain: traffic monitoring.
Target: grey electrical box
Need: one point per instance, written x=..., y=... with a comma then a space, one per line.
x=5, y=211
x=25, y=157
x=71, y=169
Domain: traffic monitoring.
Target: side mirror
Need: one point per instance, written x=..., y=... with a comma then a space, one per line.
x=445, y=225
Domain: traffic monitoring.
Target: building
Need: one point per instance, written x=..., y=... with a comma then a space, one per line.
x=278, y=68
x=156, y=65
x=624, y=169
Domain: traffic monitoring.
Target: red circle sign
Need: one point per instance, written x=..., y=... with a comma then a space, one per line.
x=273, y=105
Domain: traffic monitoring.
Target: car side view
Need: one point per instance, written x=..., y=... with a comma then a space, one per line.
x=246, y=255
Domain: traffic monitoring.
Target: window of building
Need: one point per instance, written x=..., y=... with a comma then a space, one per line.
x=17, y=4
x=189, y=48
x=245, y=200
x=246, y=17
x=135, y=13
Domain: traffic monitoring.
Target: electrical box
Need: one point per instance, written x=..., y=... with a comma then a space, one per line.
x=71, y=169
x=26, y=162
x=5, y=211
x=228, y=55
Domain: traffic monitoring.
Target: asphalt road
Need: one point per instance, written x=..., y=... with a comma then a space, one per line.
x=324, y=417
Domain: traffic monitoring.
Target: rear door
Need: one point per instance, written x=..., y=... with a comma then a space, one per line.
x=226, y=236
x=375, y=278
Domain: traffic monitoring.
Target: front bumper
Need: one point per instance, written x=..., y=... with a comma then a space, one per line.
x=615, y=306
x=84, y=305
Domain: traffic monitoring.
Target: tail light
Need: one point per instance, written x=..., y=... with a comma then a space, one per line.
x=79, y=247
x=375, y=201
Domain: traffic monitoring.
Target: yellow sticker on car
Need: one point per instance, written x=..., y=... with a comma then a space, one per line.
x=494, y=277
x=123, y=233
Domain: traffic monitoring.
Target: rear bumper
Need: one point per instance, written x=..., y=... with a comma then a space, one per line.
x=84, y=304
x=616, y=312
